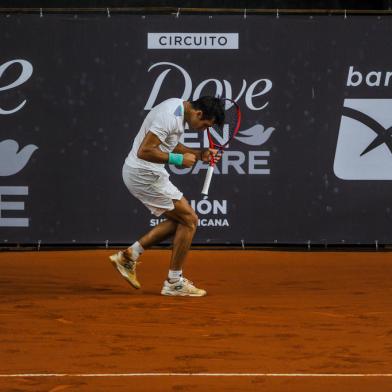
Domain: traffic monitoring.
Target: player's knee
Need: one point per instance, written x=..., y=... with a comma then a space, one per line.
x=191, y=220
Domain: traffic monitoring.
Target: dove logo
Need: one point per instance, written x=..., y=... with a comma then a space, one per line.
x=364, y=147
x=12, y=161
x=255, y=136
x=254, y=95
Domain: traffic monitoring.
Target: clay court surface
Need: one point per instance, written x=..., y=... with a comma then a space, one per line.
x=272, y=321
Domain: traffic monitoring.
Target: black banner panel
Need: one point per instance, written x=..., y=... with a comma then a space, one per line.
x=312, y=161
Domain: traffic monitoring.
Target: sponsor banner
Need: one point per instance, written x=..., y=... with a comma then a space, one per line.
x=312, y=161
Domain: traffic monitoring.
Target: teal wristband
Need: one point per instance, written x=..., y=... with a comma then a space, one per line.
x=176, y=159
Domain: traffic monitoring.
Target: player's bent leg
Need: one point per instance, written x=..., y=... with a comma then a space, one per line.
x=126, y=261
x=186, y=228
x=158, y=234
x=187, y=220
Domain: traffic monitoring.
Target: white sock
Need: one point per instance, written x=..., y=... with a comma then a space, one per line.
x=137, y=250
x=174, y=276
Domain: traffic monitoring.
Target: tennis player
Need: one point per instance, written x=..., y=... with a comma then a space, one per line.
x=145, y=176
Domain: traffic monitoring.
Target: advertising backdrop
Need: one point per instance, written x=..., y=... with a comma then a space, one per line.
x=312, y=161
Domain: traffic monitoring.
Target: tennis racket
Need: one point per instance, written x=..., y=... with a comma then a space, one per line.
x=219, y=137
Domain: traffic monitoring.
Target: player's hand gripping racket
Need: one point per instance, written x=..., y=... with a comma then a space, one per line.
x=219, y=137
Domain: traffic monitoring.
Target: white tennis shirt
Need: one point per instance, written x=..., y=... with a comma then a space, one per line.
x=166, y=121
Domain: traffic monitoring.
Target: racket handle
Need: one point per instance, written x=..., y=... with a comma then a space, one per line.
x=207, y=180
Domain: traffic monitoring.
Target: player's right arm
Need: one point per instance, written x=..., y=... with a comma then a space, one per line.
x=149, y=151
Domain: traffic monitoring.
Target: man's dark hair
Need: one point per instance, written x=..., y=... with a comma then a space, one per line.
x=212, y=108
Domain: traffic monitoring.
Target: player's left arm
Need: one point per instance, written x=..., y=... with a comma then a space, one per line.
x=202, y=155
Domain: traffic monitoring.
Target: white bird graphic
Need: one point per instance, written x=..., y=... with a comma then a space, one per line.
x=12, y=161
x=255, y=136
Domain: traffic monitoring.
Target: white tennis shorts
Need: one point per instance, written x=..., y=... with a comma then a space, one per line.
x=153, y=189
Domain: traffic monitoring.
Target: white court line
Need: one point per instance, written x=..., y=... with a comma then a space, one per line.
x=196, y=375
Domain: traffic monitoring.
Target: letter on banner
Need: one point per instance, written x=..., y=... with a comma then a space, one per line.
x=27, y=71
x=13, y=205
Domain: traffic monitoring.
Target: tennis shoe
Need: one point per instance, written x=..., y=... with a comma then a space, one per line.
x=183, y=287
x=126, y=267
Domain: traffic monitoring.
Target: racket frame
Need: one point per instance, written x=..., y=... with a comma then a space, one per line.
x=219, y=147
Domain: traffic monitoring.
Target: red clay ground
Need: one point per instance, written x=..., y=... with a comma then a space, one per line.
x=266, y=312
